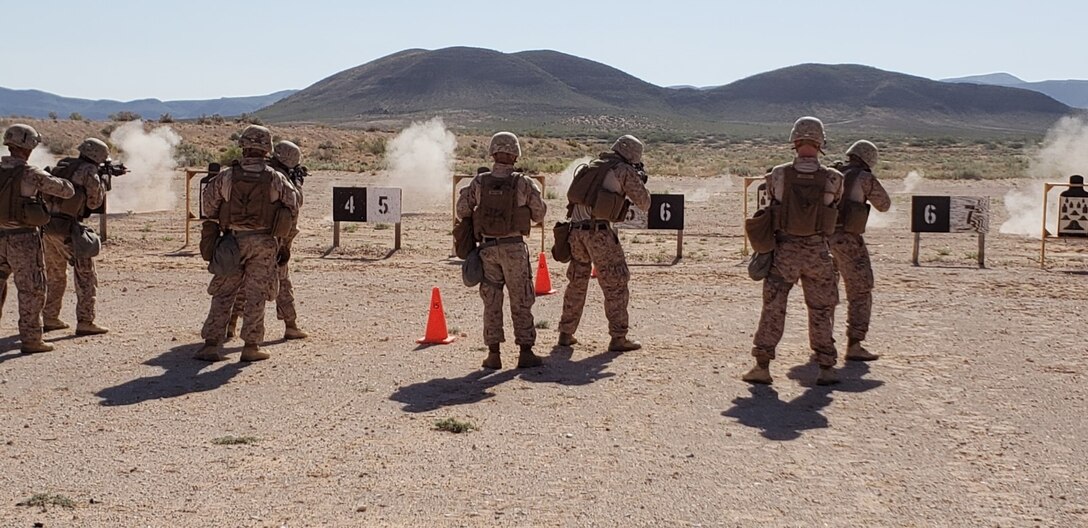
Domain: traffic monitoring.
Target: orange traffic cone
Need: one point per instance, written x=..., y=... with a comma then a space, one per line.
x=436, y=323
x=543, y=279
x=593, y=274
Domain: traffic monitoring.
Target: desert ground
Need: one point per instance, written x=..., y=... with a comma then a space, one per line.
x=975, y=415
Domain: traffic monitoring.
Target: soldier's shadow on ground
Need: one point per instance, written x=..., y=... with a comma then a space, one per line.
x=9, y=348
x=783, y=421
x=182, y=375
x=560, y=369
x=446, y=392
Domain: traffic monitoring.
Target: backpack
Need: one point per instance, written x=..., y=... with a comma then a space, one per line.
x=587, y=188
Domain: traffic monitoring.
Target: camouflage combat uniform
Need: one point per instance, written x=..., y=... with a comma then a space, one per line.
x=285, y=298
x=804, y=258
x=58, y=250
x=505, y=258
x=21, y=247
x=595, y=242
x=258, y=281
x=852, y=256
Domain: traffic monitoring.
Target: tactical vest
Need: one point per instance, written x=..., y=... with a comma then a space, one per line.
x=250, y=203
x=587, y=188
x=853, y=216
x=802, y=211
x=497, y=213
x=74, y=208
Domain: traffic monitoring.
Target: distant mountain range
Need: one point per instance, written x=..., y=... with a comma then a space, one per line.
x=1071, y=92
x=35, y=103
x=548, y=90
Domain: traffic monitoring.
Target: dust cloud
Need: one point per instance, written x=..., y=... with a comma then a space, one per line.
x=891, y=218
x=717, y=185
x=149, y=156
x=420, y=161
x=1064, y=152
x=39, y=157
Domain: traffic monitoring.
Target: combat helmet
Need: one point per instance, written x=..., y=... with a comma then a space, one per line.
x=865, y=151
x=504, y=142
x=809, y=128
x=95, y=150
x=22, y=136
x=629, y=147
x=288, y=153
x=256, y=137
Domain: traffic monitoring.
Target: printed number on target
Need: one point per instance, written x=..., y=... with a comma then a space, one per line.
x=366, y=204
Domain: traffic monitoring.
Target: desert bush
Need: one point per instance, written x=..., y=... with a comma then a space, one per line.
x=124, y=115
x=166, y=118
x=229, y=154
x=190, y=155
x=75, y=116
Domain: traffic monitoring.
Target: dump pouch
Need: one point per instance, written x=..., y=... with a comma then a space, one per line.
x=85, y=242
x=227, y=257
x=561, y=234
x=464, y=238
x=209, y=236
x=759, y=267
x=760, y=229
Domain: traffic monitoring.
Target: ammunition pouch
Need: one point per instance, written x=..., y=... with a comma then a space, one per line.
x=561, y=251
x=283, y=222
x=610, y=206
x=854, y=216
x=209, y=236
x=760, y=229
x=464, y=238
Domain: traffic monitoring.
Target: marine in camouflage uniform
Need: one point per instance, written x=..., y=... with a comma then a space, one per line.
x=848, y=246
x=286, y=159
x=593, y=241
x=503, y=204
x=20, y=240
x=90, y=195
x=804, y=196
x=258, y=279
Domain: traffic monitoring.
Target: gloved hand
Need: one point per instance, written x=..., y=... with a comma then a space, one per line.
x=282, y=256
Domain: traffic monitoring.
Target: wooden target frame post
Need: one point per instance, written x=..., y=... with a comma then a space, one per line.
x=381, y=205
x=1047, y=187
x=458, y=178
x=189, y=216
x=748, y=181
x=950, y=214
x=666, y=213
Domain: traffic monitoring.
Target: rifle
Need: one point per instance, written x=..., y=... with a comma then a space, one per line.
x=108, y=169
x=641, y=170
x=298, y=175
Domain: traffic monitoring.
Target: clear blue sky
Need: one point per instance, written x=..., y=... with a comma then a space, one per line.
x=198, y=49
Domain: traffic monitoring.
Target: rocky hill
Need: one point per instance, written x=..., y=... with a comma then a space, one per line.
x=38, y=104
x=548, y=90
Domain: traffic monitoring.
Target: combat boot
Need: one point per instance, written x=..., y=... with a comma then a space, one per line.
x=622, y=344
x=209, y=352
x=51, y=324
x=567, y=339
x=493, y=360
x=291, y=331
x=35, y=347
x=761, y=374
x=856, y=352
x=527, y=359
x=828, y=376
x=252, y=352
x=86, y=328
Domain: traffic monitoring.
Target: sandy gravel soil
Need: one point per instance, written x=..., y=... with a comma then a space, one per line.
x=975, y=416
